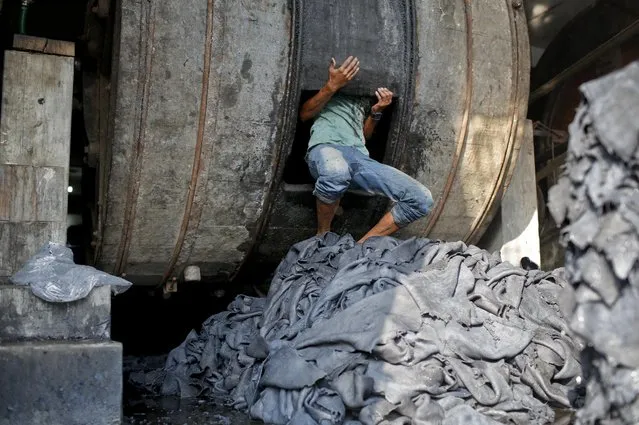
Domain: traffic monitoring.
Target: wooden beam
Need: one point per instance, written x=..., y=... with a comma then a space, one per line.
x=43, y=45
x=621, y=37
x=551, y=166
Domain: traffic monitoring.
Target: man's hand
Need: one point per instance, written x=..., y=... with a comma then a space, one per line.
x=384, y=98
x=339, y=77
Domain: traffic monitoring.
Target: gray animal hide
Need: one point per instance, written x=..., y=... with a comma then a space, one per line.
x=596, y=202
x=387, y=332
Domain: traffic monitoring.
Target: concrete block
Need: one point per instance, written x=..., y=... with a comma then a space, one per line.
x=60, y=383
x=23, y=316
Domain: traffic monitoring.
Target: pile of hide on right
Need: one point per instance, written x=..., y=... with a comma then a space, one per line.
x=597, y=203
x=387, y=332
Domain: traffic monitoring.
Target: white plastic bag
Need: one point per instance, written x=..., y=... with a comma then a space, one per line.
x=54, y=277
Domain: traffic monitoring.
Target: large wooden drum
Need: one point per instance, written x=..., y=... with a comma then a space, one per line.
x=202, y=159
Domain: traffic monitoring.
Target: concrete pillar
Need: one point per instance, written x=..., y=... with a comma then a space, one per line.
x=35, y=139
x=514, y=231
x=57, y=362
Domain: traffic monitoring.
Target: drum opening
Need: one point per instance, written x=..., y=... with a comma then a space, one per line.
x=296, y=172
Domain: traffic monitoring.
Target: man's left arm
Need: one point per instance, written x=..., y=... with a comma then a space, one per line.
x=384, y=98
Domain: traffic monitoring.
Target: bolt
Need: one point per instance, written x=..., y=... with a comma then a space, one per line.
x=171, y=285
x=517, y=4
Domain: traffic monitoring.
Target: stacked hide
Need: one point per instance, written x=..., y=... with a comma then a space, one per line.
x=388, y=332
x=597, y=203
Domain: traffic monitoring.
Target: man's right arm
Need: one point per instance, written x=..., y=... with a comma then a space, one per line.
x=337, y=78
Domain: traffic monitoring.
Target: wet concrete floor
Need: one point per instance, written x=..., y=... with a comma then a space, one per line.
x=173, y=411
x=142, y=407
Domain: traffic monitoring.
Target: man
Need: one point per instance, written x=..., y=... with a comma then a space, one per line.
x=338, y=159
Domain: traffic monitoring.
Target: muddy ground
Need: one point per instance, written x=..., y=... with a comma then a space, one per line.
x=173, y=411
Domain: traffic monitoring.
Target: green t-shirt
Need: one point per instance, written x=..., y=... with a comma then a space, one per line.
x=341, y=122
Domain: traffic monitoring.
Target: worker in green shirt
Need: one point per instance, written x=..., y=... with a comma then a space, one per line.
x=338, y=159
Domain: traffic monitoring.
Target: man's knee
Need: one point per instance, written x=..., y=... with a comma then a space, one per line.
x=330, y=186
x=422, y=201
x=417, y=203
x=334, y=176
x=336, y=171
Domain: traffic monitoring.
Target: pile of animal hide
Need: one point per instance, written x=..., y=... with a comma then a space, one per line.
x=597, y=203
x=387, y=332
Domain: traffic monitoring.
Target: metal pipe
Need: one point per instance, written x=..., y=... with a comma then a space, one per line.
x=615, y=41
x=22, y=22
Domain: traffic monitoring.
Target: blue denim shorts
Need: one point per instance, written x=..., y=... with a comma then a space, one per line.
x=337, y=168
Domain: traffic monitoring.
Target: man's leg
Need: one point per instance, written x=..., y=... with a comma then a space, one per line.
x=412, y=199
x=333, y=176
x=384, y=227
x=325, y=214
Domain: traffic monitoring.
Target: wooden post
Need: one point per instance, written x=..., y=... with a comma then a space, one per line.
x=35, y=139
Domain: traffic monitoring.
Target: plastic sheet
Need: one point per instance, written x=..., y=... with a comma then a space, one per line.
x=53, y=276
